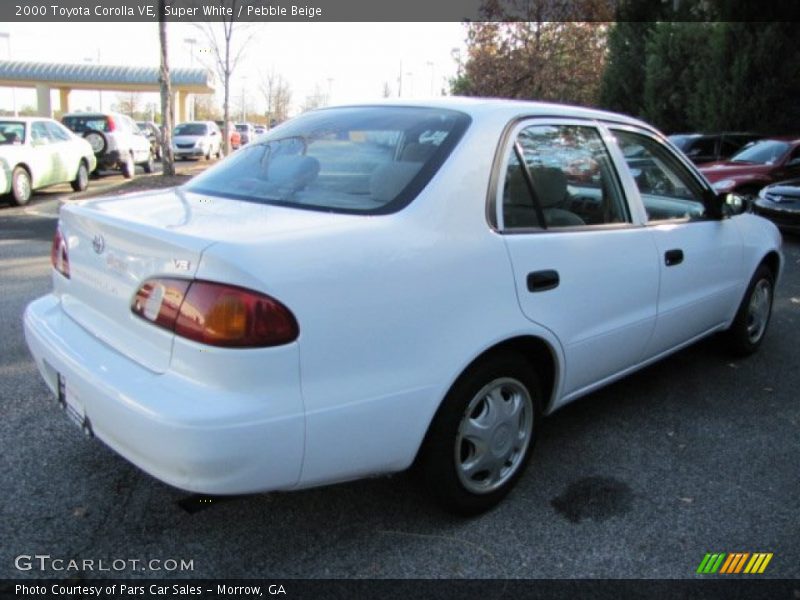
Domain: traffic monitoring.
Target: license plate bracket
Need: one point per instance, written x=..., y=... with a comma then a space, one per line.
x=72, y=405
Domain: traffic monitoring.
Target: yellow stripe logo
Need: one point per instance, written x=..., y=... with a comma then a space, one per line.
x=734, y=563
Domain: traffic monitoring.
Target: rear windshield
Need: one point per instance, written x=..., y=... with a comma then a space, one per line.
x=84, y=123
x=371, y=160
x=191, y=129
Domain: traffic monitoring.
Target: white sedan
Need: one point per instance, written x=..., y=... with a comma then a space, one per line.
x=367, y=288
x=39, y=152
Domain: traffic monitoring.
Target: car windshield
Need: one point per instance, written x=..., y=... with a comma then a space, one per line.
x=241, y=128
x=12, y=132
x=370, y=160
x=191, y=129
x=765, y=152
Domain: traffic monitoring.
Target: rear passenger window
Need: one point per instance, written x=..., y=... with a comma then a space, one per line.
x=560, y=176
x=668, y=190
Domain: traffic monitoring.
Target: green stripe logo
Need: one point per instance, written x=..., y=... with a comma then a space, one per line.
x=711, y=563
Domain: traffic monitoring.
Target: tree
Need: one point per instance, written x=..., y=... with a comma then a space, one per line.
x=205, y=109
x=677, y=59
x=278, y=96
x=317, y=99
x=128, y=103
x=548, y=55
x=167, y=156
x=226, y=55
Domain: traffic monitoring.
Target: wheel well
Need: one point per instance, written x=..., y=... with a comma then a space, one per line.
x=536, y=351
x=773, y=262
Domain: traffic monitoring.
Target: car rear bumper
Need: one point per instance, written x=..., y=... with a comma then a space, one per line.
x=189, y=434
x=108, y=160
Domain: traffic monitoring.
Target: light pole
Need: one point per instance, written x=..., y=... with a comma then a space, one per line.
x=191, y=42
x=99, y=92
x=431, y=64
x=7, y=36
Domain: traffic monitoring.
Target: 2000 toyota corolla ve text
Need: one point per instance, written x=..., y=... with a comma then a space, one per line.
x=369, y=287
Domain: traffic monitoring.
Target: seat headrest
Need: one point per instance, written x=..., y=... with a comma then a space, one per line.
x=550, y=184
x=416, y=152
x=388, y=180
x=292, y=172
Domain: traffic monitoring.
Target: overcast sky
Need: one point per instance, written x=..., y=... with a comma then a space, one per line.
x=351, y=60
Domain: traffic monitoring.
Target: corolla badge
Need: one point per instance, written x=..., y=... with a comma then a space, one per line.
x=99, y=243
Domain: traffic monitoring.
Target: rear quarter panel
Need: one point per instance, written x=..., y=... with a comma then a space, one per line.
x=391, y=310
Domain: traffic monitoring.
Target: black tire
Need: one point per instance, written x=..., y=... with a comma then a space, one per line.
x=81, y=181
x=749, y=326
x=150, y=165
x=21, y=188
x=97, y=140
x=486, y=390
x=128, y=167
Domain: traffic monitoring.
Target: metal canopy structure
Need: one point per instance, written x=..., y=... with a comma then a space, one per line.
x=67, y=77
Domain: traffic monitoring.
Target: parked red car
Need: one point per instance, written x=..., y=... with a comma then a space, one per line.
x=236, y=138
x=756, y=165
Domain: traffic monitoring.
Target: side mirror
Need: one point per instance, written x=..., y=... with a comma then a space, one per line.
x=213, y=133
x=734, y=204
x=795, y=162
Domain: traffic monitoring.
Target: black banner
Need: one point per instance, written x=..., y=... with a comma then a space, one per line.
x=377, y=10
x=731, y=588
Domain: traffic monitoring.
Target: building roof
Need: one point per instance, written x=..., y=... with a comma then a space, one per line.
x=107, y=77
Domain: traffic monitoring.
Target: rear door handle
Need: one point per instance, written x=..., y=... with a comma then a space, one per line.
x=541, y=281
x=673, y=257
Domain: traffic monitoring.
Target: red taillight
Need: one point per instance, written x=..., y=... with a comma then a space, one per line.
x=59, y=257
x=215, y=313
x=111, y=125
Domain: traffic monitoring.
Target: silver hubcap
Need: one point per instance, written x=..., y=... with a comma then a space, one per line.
x=22, y=186
x=494, y=435
x=758, y=310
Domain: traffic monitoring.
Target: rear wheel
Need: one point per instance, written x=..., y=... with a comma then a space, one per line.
x=21, y=189
x=750, y=324
x=128, y=167
x=483, y=435
x=81, y=181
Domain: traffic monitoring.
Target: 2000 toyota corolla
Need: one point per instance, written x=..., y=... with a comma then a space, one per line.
x=368, y=287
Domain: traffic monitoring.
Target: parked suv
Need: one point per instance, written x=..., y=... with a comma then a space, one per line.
x=116, y=140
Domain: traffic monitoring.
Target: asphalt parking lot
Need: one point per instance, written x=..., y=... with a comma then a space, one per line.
x=697, y=454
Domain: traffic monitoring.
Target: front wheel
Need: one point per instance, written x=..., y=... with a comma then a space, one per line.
x=483, y=435
x=750, y=324
x=21, y=188
x=150, y=165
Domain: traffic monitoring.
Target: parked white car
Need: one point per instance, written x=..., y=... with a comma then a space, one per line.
x=367, y=288
x=116, y=139
x=38, y=152
x=197, y=139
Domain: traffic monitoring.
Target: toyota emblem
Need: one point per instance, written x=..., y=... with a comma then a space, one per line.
x=99, y=244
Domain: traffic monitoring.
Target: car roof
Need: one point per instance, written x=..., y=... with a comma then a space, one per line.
x=26, y=119
x=480, y=108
